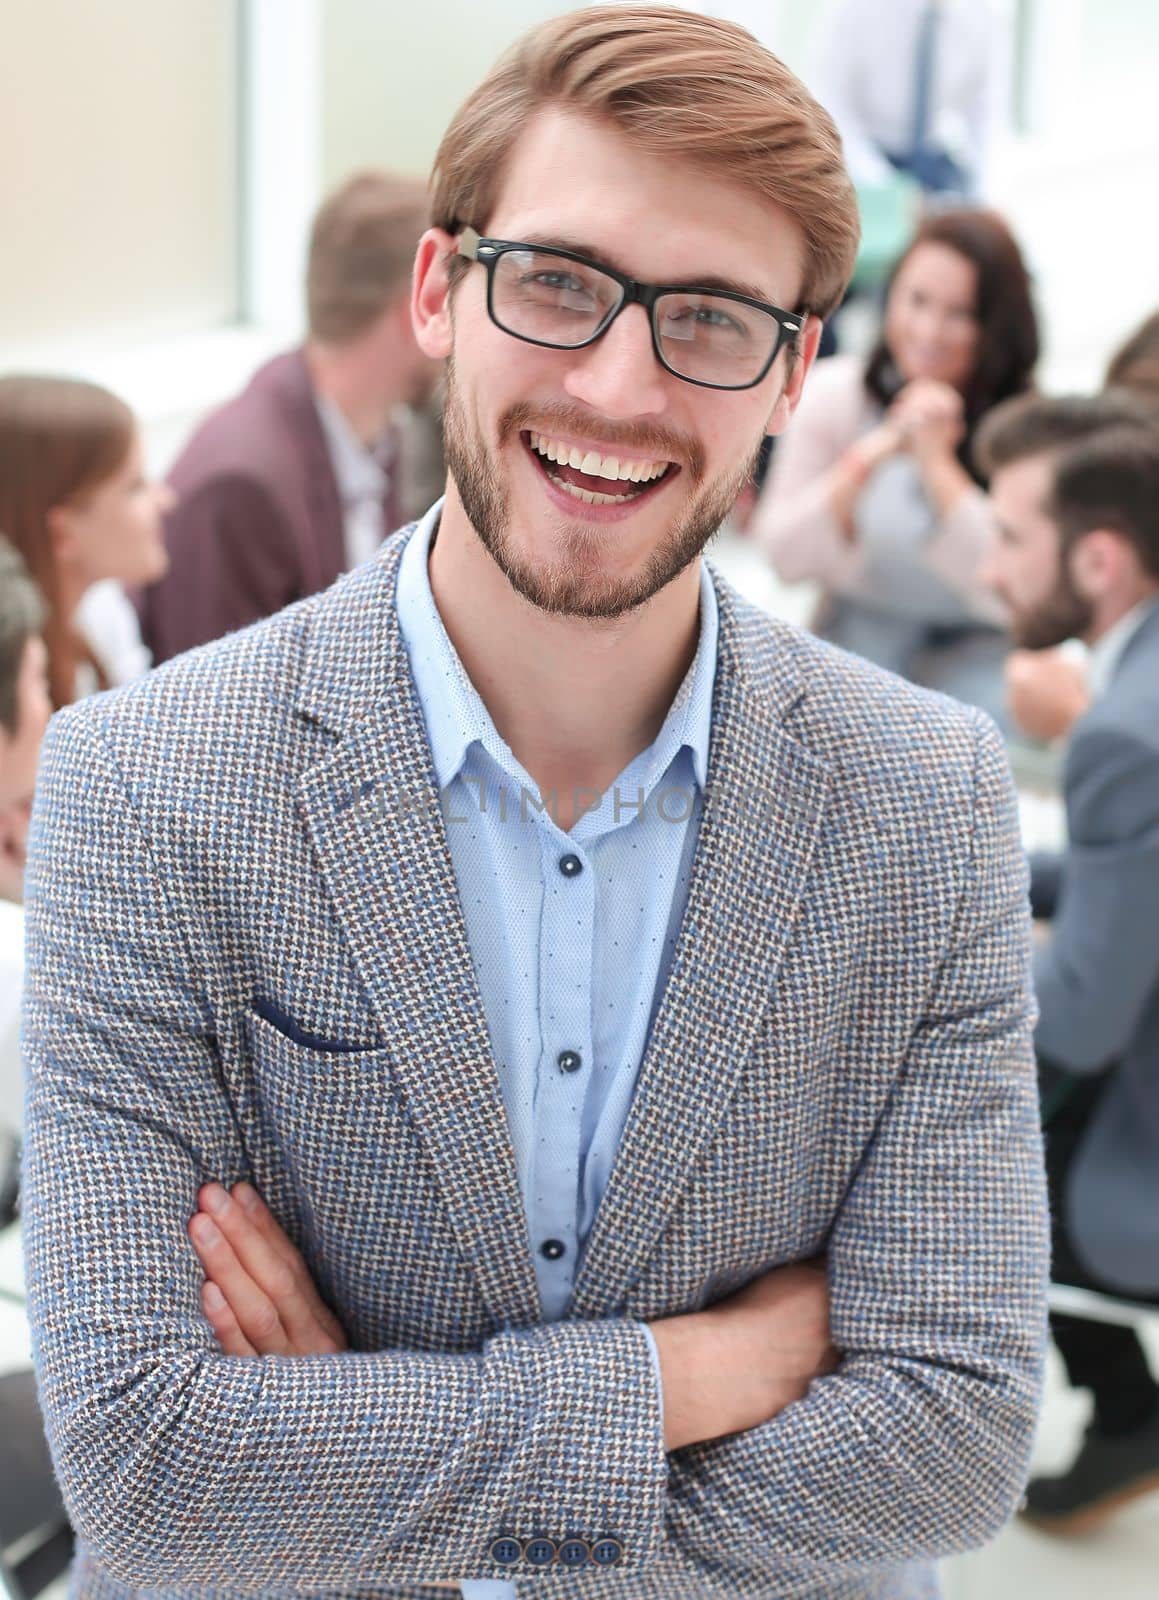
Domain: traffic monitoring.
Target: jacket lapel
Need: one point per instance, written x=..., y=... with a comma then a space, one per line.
x=371, y=807
x=763, y=808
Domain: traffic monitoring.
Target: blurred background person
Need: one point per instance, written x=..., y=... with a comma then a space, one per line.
x=875, y=493
x=1047, y=690
x=299, y=477
x=916, y=87
x=1135, y=365
x=77, y=505
x=1076, y=555
x=25, y=708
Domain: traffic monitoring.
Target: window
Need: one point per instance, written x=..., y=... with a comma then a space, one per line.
x=119, y=168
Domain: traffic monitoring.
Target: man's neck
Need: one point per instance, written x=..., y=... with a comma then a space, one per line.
x=575, y=700
x=1114, y=608
x=365, y=386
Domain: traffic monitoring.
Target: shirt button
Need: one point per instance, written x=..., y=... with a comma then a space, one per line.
x=553, y=1249
x=570, y=1061
x=570, y=866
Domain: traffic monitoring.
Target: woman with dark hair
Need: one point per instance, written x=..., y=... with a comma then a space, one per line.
x=875, y=493
x=74, y=501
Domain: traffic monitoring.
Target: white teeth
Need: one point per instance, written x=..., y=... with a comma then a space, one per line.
x=594, y=465
x=591, y=497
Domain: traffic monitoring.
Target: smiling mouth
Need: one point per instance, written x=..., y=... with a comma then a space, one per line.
x=593, y=478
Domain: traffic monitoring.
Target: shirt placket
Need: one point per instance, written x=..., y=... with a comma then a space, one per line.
x=564, y=1066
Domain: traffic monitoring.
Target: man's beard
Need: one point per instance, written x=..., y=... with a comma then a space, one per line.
x=1063, y=614
x=573, y=586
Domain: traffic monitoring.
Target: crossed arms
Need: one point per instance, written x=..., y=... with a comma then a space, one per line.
x=183, y=1465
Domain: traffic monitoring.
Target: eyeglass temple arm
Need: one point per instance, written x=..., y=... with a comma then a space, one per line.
x=468, y=244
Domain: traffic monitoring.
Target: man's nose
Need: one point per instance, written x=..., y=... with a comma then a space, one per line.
x=619, y=376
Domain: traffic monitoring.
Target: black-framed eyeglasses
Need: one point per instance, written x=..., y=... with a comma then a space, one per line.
x=564, y=301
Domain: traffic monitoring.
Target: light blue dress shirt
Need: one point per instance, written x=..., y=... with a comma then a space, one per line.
x=571, y=934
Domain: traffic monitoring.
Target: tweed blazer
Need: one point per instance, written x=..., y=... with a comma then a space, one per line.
x=247, y=958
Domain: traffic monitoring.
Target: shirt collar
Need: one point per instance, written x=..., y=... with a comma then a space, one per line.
x=1107, y=652
x=456, y=716
x=361, y=473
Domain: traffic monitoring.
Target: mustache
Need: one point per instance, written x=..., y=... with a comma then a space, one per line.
x=662, y=444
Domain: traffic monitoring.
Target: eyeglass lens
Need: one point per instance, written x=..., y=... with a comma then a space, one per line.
x=548, y=298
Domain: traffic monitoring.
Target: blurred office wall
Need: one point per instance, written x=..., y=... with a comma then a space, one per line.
x=393, y=75
x=159, y=161
x=118, y=169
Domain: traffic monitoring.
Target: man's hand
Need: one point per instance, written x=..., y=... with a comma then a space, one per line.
x=742, y=1361
x=258, y=1296
x=1046, y=692
x=723, y=1370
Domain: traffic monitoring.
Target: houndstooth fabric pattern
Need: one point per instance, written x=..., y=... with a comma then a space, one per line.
x=841, y=1062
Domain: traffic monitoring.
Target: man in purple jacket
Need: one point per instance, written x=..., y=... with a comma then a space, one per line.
x=296, y=479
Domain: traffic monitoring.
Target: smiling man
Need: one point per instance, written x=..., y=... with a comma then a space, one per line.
x=531, y=1058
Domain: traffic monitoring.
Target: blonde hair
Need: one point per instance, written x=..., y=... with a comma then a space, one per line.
x=362, y=249
x=691, y=87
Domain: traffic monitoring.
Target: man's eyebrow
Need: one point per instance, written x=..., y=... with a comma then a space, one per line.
x=707, y=280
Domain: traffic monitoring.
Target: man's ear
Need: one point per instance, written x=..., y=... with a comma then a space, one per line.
x=808, y=341
x=430, y=300
x=1100, y=561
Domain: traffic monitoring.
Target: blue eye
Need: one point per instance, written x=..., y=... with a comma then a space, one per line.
x=555, y=280
x=714, y=317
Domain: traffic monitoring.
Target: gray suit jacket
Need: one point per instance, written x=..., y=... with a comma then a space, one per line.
x=1098, y=977
x=247, y=957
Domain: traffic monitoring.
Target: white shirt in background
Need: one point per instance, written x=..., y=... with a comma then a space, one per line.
x=1105, y=654
x=108, y=624
x=363, y=477
x=863, y=54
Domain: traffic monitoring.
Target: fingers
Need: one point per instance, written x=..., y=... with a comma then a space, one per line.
x=261, y=1275
x=249, y=1305
x=263, y=1219
x=221, y=1319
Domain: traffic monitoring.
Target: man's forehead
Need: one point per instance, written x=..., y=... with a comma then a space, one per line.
x=580, y=184
x=1023, y=488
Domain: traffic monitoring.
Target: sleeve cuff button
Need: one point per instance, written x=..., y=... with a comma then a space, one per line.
x=506, y=1551
x=607, y=1552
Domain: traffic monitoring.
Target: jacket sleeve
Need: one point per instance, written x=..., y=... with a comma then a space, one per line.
x=1100, y=967
x=232, y=561
x=918, y=1446
x=184, y=1467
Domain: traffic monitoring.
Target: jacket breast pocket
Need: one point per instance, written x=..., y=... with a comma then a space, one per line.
x=346, y=1173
